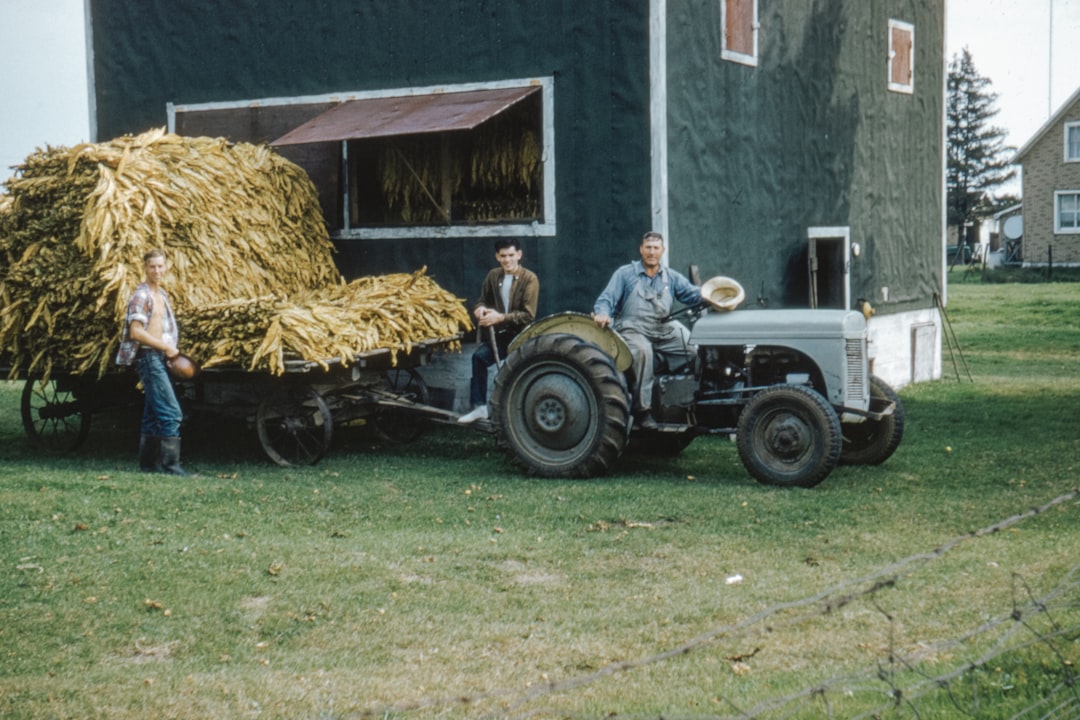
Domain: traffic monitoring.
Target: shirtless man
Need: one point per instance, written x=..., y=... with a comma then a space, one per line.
x=150, y=338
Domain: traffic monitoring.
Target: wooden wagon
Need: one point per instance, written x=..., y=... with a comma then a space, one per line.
x=293, y=413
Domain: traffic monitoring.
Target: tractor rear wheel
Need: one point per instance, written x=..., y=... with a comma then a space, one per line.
x=871, y=442
x=561, y=408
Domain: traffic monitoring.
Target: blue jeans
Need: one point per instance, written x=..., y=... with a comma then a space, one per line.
x=161, y=412
x=482, y=359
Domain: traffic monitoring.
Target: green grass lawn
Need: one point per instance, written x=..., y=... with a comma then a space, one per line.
x=433, y=580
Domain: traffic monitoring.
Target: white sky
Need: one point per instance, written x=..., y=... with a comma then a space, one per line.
x=43, y=96
x=1011, y=43
x=43, y=85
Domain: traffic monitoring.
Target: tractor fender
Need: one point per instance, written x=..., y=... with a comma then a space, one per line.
x=582, y=326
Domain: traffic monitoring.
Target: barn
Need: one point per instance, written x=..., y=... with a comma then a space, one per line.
x=795, y=146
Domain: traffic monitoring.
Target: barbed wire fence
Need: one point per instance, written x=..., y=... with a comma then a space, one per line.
x=1039, y=632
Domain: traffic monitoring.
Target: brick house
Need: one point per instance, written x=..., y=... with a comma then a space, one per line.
x=1051, y=184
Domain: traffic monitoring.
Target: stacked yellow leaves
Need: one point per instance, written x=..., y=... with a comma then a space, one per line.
x=242, y=227
x=321, y=326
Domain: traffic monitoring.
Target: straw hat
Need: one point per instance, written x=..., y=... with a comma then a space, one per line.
x=723, y=293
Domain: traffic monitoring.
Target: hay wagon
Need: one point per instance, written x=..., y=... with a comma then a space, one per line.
x=294, y=414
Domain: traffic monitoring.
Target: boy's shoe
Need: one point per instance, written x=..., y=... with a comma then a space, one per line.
x=478, y=413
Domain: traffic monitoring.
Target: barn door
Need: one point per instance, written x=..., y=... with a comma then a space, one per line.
x=829, y=265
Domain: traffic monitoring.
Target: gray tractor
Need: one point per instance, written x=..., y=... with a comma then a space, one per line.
x=792, y=386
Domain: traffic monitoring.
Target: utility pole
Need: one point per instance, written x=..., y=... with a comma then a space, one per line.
x=1050, y=65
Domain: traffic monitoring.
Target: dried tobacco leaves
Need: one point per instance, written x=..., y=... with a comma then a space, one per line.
x=252, y=274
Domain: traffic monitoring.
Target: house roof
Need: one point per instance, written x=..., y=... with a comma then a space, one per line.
x=1007, y=211
x=1017, y=159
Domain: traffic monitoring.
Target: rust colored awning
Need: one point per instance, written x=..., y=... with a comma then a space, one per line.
x=405, y=115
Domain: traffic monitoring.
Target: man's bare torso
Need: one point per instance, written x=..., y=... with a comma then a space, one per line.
x=157, y=316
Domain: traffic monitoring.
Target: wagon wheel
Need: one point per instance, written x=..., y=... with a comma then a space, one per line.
x=396, y=425
x=53, y=415
x=295, y=426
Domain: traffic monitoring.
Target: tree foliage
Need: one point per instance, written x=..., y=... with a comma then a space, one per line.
x=978, y=159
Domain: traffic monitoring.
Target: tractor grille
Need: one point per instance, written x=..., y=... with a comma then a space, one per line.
x=856, y=370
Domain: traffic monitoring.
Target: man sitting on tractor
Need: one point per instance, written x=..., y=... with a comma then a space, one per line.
x=636, y=302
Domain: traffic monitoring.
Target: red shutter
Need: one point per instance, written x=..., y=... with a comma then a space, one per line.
x=901, y=56
x=739, y=29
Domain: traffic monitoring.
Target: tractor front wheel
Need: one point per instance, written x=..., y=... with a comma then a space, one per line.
x=789, y=435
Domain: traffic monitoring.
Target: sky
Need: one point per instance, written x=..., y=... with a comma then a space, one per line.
x=1011, y=43
x=44, y=95
x=43, y=84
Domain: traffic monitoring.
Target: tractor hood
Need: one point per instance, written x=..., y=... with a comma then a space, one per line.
x=777, y=327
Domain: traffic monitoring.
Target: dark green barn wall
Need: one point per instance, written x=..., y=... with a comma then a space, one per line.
x=152, y=52
x=809, y=137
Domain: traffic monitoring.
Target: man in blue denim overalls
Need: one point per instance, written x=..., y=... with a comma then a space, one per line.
x=635, y=302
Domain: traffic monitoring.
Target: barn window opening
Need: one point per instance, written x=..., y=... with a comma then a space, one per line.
x=487, y=175
x=829, y=263
x=739, y=31
x=901, y=56
x=470, y=158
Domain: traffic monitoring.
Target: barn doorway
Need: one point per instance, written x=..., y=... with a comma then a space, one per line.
x=829, y=265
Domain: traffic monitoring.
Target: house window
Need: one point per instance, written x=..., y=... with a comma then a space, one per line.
x=1072, y=142
x=1067, y=211
x=739, y=31
x=901, y=56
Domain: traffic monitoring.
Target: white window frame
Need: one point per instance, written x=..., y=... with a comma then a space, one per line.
x=540, y=228
x=1071, y=126
x=1058, y=229
x=908, y=87
x=732, y=55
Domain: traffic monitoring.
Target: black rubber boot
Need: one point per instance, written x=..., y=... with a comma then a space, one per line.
x=644, y=420
x=170, y=457
x=149, y=454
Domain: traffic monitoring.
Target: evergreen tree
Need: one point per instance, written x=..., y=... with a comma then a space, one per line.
x=978, y=159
